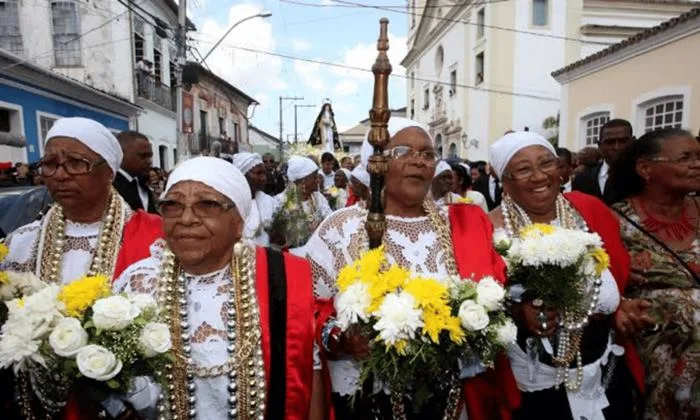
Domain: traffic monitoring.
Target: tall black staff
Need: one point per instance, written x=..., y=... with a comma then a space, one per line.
x=379, y=137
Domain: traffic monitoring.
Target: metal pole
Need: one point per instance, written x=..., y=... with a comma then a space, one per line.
x=285, y=98
x=296, y=138
x=183, y=148
x=281, y=125
x=261, y=15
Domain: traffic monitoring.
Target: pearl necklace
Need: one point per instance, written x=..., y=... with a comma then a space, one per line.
x=53, y=236
x=245, y=366
x=571, y=324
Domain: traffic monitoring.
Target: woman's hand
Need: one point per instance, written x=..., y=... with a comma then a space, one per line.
x=538, y=320
x=355, y=344
x=632, y=317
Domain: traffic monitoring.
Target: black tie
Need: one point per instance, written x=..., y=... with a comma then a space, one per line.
x=497, y=190
x=137, y=195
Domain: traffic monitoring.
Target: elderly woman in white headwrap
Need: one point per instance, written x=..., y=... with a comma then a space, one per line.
x=419, y=237
x=342, y=184
x=527, y=164
x=442, y=186
x=359, y=186
x=240, y=317
x=90, y=230
x=264, y=206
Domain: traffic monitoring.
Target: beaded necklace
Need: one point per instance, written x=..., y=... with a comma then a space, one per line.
x=245, y=367
x=571, y=324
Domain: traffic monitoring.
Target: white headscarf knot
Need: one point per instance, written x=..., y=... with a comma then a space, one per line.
x=93, y=135
x=245, y=161
x=441, y=167
x=299, y=167
x=503, y=150
x=218, y=174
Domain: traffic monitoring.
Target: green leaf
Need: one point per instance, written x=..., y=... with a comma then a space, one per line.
x=113, y=384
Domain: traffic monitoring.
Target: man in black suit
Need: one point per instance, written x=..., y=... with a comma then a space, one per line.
x=131, y=179
x=614, y=136
x=490, y=186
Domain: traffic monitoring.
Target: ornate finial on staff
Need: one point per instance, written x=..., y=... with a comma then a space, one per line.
x=379, y=137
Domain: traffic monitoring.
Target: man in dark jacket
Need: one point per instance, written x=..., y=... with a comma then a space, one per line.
x=131, y=180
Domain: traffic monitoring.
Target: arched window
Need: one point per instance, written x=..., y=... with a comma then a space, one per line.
x=439, y=60
x=665, y=112
x=590, y=126
x=452, y=151
x=438, y=145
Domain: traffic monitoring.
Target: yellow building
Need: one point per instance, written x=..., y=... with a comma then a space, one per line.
x=651, y=79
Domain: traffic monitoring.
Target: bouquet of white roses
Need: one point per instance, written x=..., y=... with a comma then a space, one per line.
x=420, y=327
x=555, y=264
x=81, y=330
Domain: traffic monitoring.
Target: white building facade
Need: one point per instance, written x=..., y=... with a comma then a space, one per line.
x=478, y=69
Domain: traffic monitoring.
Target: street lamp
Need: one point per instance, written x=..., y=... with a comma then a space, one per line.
x=263, y=14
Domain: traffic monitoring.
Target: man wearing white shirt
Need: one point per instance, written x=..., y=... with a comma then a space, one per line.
x=327, y=163
x=566, y=167
x=130, y=180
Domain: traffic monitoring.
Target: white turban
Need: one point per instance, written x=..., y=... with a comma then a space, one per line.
x=396, y=124
x=361, y=174
x=347, y=173
x=465, y=166
x=217, y=174
x=299, y=167
x=503, y=150
x=93, y=135
x=246, y=161
x=441, y=167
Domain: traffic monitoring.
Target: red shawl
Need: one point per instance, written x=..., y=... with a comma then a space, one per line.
x=601, y=221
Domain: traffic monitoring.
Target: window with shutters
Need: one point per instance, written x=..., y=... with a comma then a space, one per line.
x=10, y=35
x=139, y=39
x=666, y=112
x=66, y=33
x=591, y=125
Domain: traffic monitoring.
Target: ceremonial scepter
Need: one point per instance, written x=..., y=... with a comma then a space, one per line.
x=379, y=138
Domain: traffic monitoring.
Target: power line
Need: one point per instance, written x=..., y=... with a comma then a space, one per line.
x=420, y=79
x=404, y=6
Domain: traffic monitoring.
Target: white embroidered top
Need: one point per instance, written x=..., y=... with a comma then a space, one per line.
x=341, y=238
x=261, y=212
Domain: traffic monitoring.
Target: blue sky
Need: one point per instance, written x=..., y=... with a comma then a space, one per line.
x=343, y=35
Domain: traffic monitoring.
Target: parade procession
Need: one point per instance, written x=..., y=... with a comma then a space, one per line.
x=511, y=231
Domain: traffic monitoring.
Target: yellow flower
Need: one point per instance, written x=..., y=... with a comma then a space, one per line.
x=537, y=229
x=3, y=251
x=346, y=278
x=20, y=302
x=79, y=295
x=602, y=260
x=427, y=292
x=400, y=346
x=332, y=191
x=454, y=327
x=465, y=200
x=433, y=323
x=4, y=278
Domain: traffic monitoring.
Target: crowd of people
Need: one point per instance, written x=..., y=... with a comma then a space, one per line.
x=249, y=249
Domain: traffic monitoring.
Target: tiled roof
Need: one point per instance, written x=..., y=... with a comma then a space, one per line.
x=649, y=33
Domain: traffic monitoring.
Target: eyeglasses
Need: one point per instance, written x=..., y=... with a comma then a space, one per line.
x=407, y=152
x=548, y=166
x=204, y=209
x=72, y=166
x=685, y=159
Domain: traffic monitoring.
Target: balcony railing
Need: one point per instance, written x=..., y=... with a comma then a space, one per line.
x=153, y=90
x=202, y=141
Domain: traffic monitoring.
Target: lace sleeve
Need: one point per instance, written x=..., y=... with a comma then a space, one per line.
x=22, y=246
x=609, y=298
x=142, y=276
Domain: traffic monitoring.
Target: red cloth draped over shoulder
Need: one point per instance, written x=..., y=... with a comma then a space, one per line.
x=140, y=232
x=493, y=394
x=600, y=220
x=299, y=332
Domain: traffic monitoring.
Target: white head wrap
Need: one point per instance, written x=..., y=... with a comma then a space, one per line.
x=396, y=124
x=217, y=174
x=465, y=166
x=246, y=161
x=361, y=174
x=347, y=173
x=93, y=135
x=441, y=167
x=299, y=167
x=503, y=150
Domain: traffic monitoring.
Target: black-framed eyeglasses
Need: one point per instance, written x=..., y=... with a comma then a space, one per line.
x=520, y=173
x=407, y=152
x=685, y=159
x=72, y=166
x=204, y=209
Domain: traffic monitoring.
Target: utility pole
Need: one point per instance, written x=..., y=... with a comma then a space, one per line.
x=183, y=147
x=285, y=98
x=295, y=118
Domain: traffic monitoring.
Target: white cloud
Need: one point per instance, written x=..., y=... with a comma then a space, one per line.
x=309, y=73
x=363, y=56
x=300, y=45
x=346, y=87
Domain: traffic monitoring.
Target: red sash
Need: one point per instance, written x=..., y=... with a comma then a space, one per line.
x=493, y=394
x=601, y=221
x=299, y=338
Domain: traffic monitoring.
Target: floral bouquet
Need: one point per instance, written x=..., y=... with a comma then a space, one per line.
x=82, y=331
x=420, y=327
x=291, y=220
x=555, y=264
x=332, y=196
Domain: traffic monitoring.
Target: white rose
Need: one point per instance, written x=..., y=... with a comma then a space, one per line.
x=507, y=333
x=68, y=337
x=155, y=339
x=142, y=301
x=473, y=316
x=489, y=293
x=501, y=240
x=96, y=362
x=113, y=313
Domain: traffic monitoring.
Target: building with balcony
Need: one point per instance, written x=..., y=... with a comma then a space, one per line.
x=219, y=112
x=640, y=80
x=477, y=69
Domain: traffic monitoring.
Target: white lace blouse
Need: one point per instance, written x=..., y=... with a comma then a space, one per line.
x=261, y=212
x=341, y=238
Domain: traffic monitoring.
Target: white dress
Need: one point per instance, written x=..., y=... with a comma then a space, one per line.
x=207, y=305
x=261, y=212
x=341, y=239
